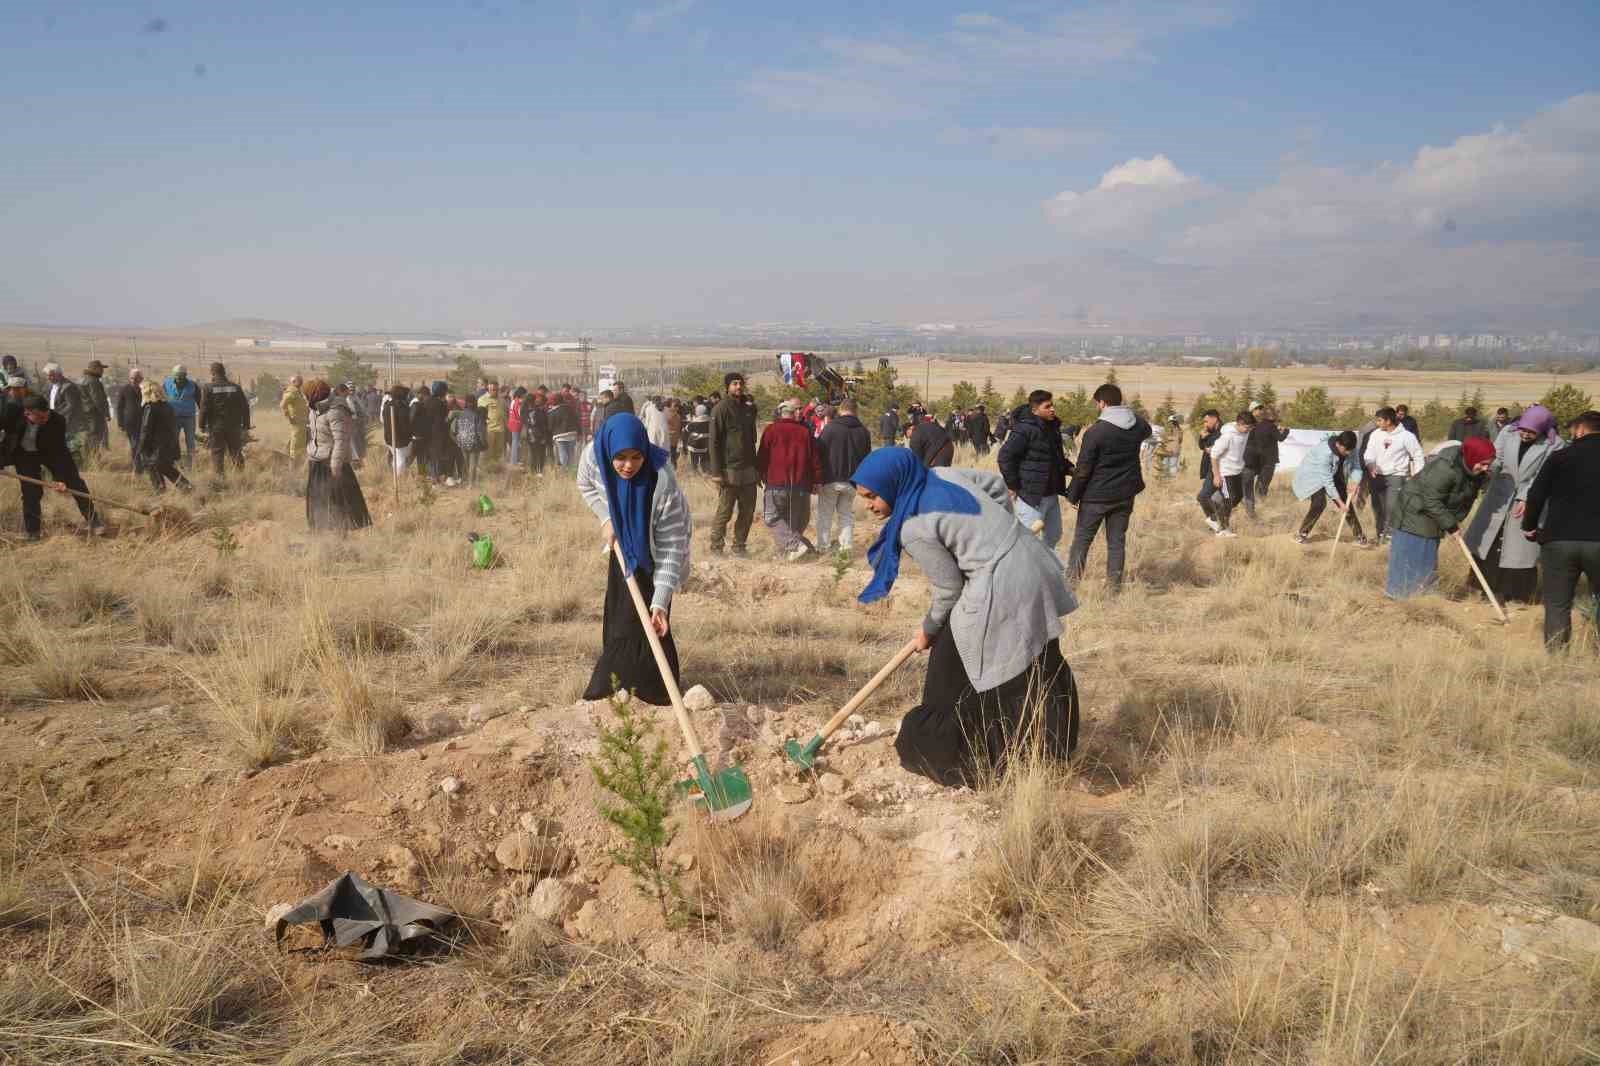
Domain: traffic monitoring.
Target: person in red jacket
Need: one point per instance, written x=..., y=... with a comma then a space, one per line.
x=790, y=467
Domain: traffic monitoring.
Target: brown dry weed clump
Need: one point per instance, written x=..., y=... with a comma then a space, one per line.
x=1302, y=825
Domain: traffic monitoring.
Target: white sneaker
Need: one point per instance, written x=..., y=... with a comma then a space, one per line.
x=1216, y=527
x=1226, y=533
x=798, y=554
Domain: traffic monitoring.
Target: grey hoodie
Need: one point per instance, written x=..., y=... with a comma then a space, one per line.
x=1121, y=416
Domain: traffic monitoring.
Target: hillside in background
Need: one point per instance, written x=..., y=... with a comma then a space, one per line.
x=247, y=327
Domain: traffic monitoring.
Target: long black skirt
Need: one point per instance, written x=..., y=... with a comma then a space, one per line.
x=1509, y=585
x=626, y=654
x=332, y=502
x=957, y=732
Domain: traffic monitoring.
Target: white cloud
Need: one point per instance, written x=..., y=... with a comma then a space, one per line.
x=1157, y=171
x=1502, y=221
x=1541, y=178
x=1128, y=202
x=899, y=74
x=648, y=19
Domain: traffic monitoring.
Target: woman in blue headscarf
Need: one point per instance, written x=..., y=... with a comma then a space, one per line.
x=628, y=483
x=996, y=682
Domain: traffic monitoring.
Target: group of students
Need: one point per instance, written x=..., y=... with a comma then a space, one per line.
x=996, y=677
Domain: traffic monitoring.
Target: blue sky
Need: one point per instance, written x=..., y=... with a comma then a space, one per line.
x=505, y=163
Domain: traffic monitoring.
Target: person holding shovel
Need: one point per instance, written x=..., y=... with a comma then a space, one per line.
x=629, y=485
x=35, y=441
x=1324, y=475
x=996, y=684
x=1430, y=507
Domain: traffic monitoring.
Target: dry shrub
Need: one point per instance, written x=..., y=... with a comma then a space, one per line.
x=1321, y=830
x=172, y=989
x=771, y=880
x=52, y=663
x=531, y=948
x=1573, y=729
x=453, y=882
x=1040, y=856
x=254, y=687
x=460, y=629
x=363, y=719
x=1163, y=904
x=706, y=1033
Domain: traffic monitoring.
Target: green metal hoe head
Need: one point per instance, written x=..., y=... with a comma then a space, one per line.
x=724, y=795
x=803, y=757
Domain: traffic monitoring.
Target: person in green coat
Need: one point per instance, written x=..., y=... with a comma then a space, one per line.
x=1432, y=506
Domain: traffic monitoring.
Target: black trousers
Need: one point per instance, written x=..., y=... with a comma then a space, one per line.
x=537, y=453
x=957, y=732
x=1228, y=497
x=226, y=443
x=133, y=446
x=1563, y=562
x=64, y=470
x=1115, y=516
x=1319, y=503
x=626, y=660
x=163, y=470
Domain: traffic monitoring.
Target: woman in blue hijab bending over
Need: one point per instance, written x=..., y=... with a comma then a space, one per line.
x=628, y=483
x=997, y=685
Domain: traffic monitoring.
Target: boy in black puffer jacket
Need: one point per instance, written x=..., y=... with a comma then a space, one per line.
x=1034, y=464
x=1105, y=482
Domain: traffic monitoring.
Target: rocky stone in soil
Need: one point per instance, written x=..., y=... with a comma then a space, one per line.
x=533, y=853
x=699, y=698
x=556, y=901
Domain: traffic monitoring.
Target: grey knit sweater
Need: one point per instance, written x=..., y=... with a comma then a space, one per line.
x=670, y=524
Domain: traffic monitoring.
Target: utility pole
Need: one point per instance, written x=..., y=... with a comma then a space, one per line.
x=583, y=351
x=661, y=374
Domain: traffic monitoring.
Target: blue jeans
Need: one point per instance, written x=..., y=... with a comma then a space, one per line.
x=564, y=452
x=516, y=448
x=1048, y=511
x=1413, y=565
x=186, y=428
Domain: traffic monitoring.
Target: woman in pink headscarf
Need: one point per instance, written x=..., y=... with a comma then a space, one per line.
x=1508, y=559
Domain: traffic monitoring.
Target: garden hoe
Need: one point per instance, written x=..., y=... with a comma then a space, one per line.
x=806, y=757
x=167, y=519
x=725, y=794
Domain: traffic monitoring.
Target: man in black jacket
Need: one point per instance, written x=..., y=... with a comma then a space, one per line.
x=1105, y=483
x=1566, y=496
x=1404, y=417
x=1469, y=426
x=1210, y=429
x=978, y=430
x=130, y=412
x=843, y=444
x=1261, y=455
x=932, y=444
x=225, y=419
x=733, y=465
x=1033, y=463
x=36, y=440
x=889, y=426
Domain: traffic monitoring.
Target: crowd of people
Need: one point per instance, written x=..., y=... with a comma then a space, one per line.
x=986, y=541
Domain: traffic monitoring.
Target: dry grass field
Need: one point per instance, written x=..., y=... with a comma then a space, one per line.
x=1152, y=383
x=1304, y=825
x=161, y=350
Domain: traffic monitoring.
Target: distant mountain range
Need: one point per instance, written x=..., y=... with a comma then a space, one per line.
x=247, y=327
